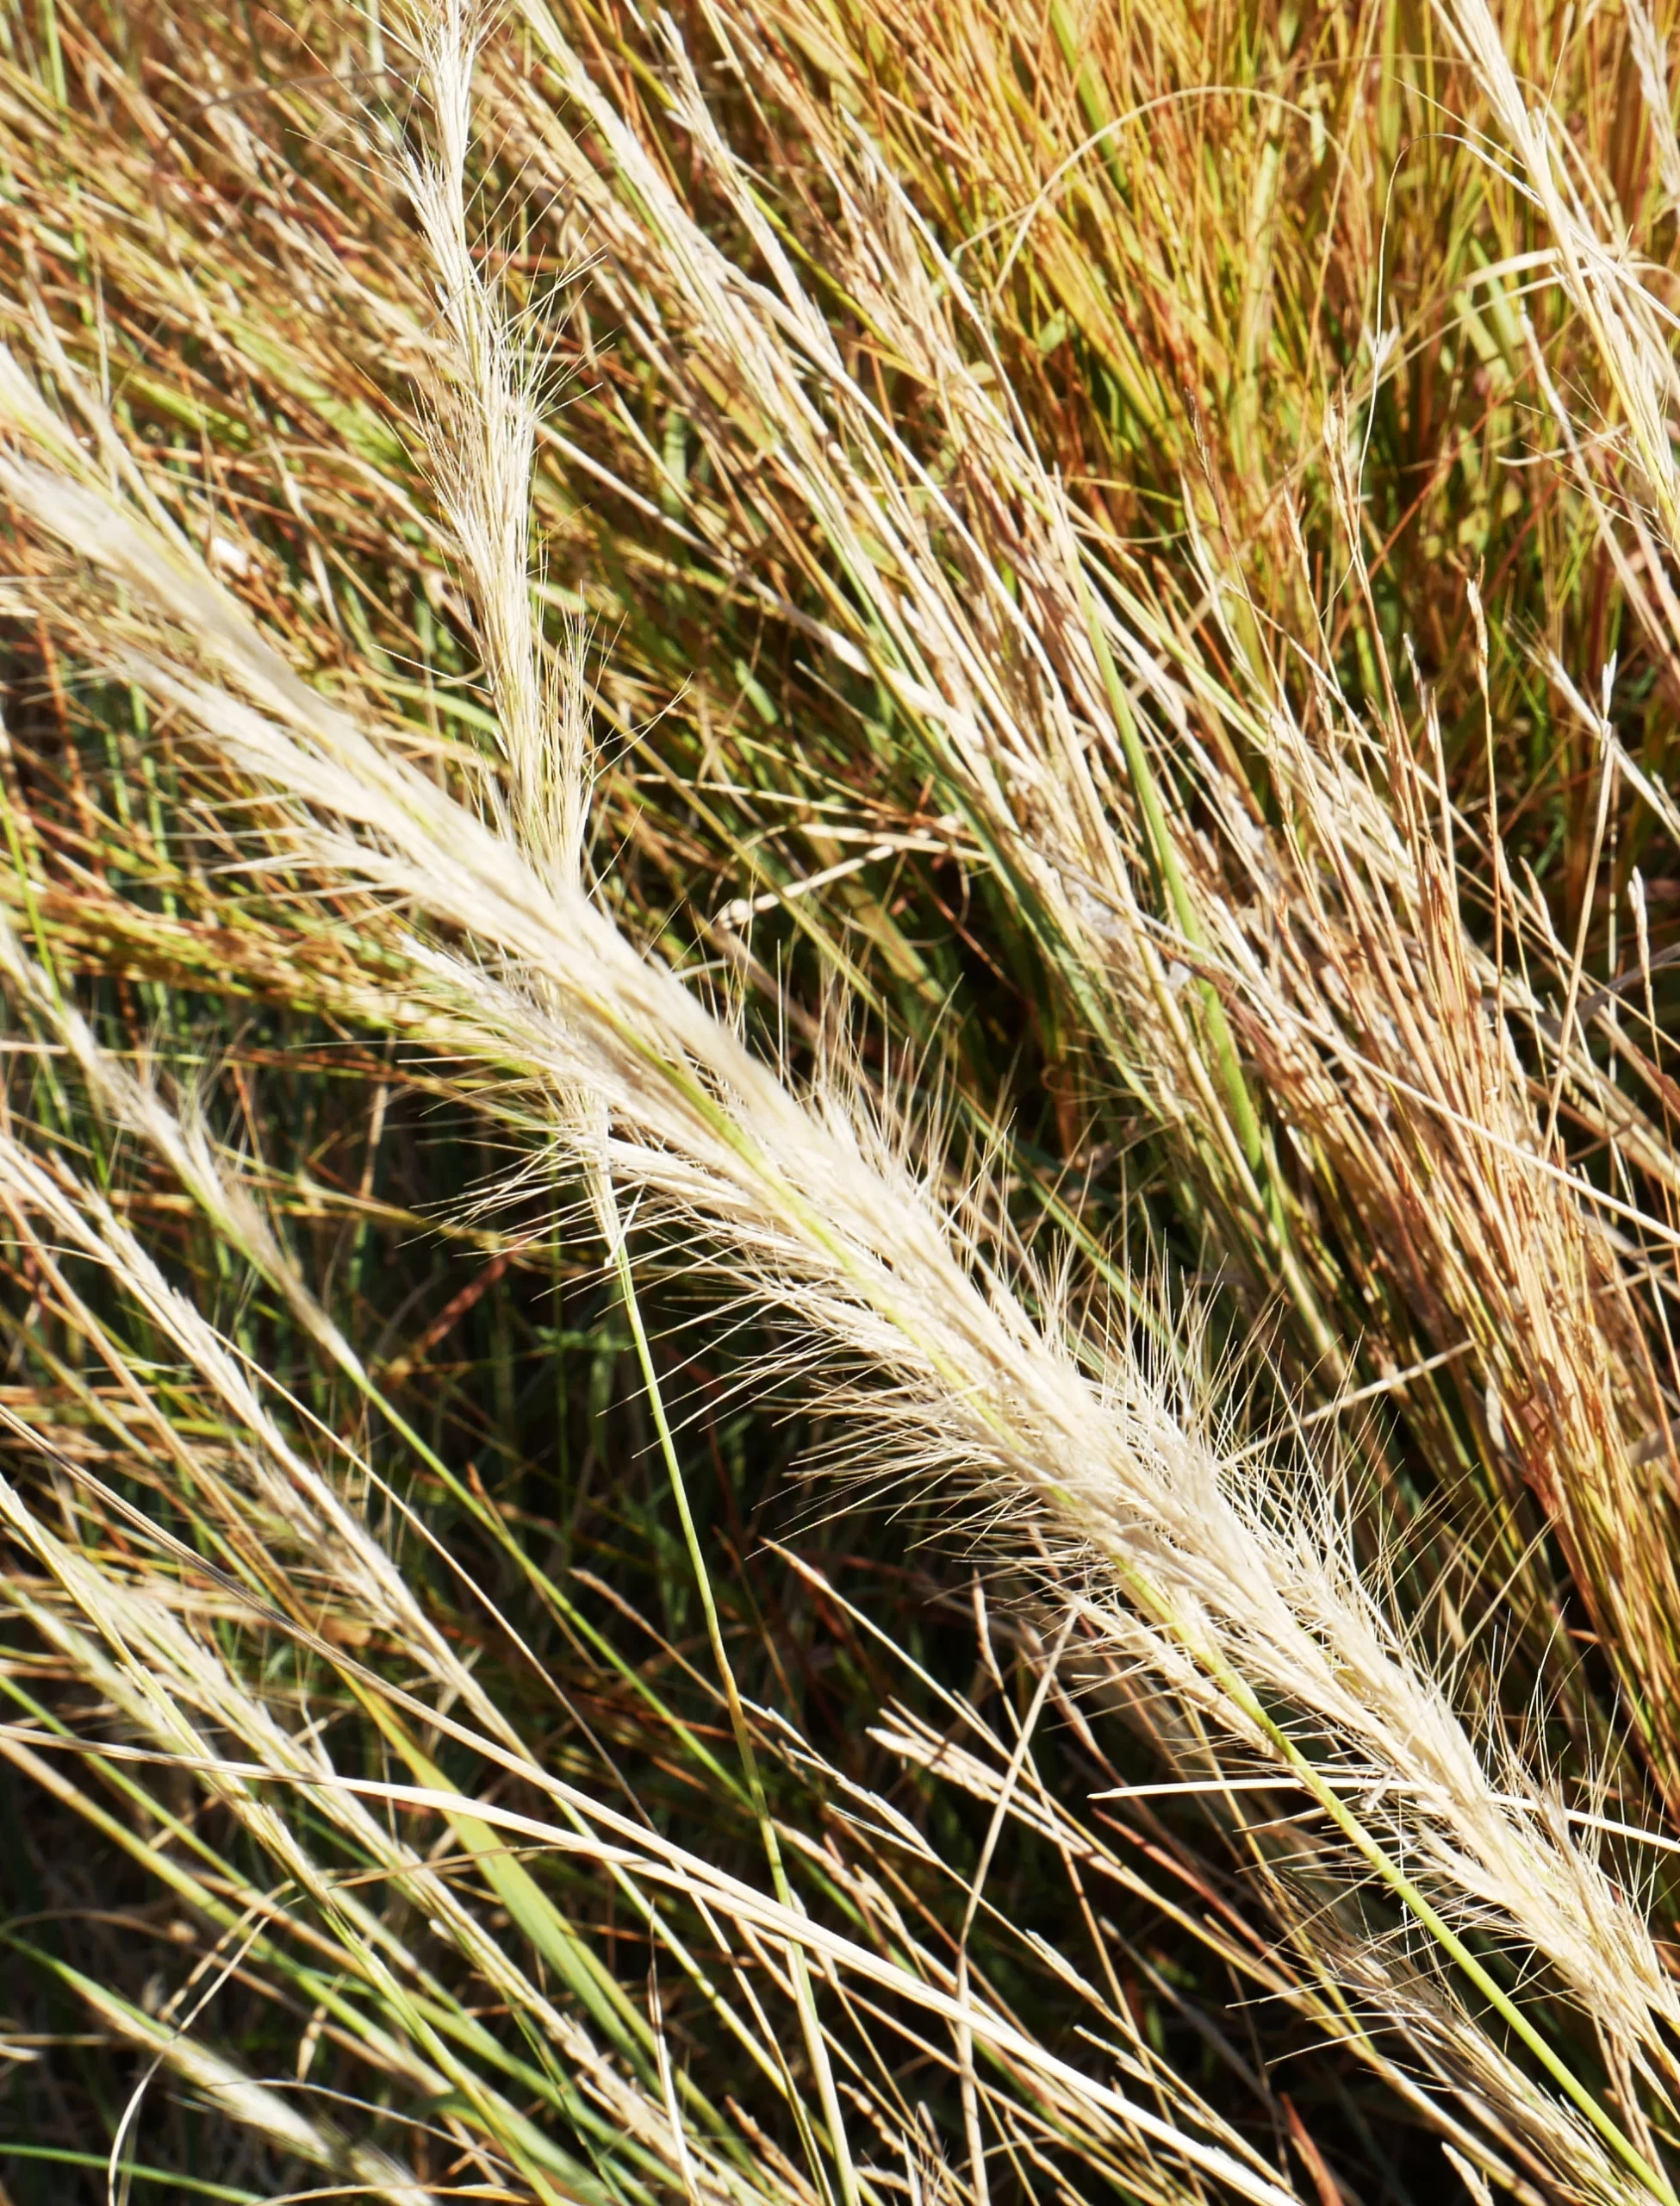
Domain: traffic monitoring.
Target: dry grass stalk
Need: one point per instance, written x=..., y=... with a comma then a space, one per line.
x=1248, y=888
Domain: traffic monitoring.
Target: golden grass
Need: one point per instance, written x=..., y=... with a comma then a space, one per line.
x=987, y=703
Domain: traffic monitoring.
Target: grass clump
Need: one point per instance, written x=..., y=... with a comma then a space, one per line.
x=838, y=1152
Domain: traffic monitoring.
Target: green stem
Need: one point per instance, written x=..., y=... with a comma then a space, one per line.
x=1088, y=89
x=1170, y=880
x=608, y=1204
x=1421, y=1909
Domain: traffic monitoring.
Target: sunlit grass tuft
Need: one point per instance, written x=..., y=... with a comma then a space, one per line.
x=838, y=1145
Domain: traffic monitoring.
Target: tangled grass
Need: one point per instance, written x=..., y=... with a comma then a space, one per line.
x=838, y=1149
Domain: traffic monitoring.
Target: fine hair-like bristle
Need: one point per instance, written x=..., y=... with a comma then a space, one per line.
x=966, y=494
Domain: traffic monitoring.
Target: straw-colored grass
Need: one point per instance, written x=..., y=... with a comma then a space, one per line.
x=838, y=1154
